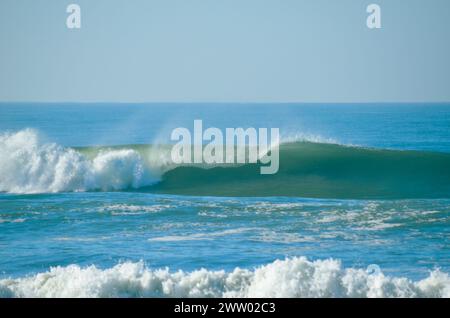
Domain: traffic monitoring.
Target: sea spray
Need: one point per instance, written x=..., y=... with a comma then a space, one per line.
x=30, y=165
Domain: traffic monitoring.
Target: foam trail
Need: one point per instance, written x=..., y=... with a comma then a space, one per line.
x=295, y=277
x=29, y=165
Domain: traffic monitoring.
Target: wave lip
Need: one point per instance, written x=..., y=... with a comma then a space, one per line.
x=289, y=278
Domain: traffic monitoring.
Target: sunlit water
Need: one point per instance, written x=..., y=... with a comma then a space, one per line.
x=406, y=238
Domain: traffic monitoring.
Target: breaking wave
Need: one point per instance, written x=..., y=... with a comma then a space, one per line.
x=29, y=165
x=291, y=278
x=307, y=169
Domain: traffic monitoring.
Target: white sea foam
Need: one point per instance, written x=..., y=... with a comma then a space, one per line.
x=295, y=277
x=126, y=209
x=306, y=137
x=19, y=220
x=30, y=165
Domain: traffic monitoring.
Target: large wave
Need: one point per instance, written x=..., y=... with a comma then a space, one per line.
x=322, y=170
x=292, y=278
x=307, y=169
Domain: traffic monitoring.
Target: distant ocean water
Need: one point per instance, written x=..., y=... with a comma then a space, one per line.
x=91, y=206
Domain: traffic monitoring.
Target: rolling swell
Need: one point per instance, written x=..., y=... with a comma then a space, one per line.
x=28, y=164
x=322, y=171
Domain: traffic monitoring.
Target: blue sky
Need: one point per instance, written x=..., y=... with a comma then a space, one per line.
x=225, y=50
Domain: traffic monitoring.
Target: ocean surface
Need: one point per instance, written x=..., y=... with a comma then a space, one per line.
x=91, y=205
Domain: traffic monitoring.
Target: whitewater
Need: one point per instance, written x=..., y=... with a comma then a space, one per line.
x=30, y=165
x=92, y=206
x=289, y=278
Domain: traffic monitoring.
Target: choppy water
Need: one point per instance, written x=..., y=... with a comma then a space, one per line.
x=110, y=221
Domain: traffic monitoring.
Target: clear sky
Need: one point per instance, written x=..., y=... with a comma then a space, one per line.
x=225, y=50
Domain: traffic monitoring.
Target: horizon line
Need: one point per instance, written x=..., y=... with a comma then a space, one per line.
x=222, y=102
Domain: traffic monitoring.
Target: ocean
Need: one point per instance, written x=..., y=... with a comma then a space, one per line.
x=91, y=206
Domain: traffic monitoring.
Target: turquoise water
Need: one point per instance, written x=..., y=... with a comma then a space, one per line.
x=358, y=186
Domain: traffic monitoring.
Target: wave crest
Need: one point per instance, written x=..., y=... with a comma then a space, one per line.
x=292, y=278
x=307, y=169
